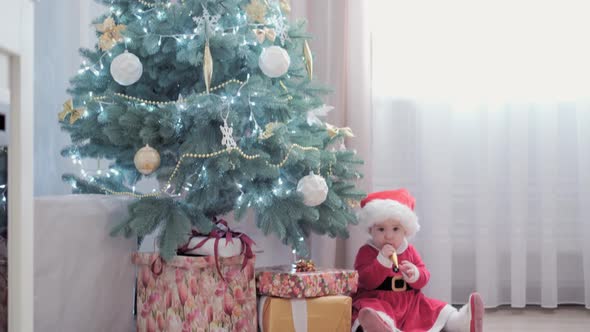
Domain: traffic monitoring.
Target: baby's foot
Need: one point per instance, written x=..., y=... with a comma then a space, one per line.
x=476, y=310
x=371, y=321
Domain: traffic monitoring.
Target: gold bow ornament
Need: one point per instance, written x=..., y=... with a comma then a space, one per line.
x=68, y=108
x=111, y=33
x=266, y=33
x=334, y=131
x=285, y=6
x=256, y=11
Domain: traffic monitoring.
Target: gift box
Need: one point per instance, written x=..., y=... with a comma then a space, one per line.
x=328, y=313
x=280, y=281
x=195, y=293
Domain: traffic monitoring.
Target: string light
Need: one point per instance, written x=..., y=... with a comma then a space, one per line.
x=203, y=172
x=148, y=103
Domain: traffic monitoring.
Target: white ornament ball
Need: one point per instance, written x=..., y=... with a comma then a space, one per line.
x=126, y=68
x=314, y=189
x=146, y=160
x=274, y=61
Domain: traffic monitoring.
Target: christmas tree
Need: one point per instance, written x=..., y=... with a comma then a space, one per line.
x=216, y=99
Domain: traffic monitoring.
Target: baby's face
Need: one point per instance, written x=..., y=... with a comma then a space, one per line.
x=387, y=232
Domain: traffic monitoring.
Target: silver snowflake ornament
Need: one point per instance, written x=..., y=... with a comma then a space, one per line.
x=280, y=28
x=228, y=139
x=207, y=22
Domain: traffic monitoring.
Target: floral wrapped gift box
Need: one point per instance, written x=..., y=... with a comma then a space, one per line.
x=280, y=281
x=190, y=294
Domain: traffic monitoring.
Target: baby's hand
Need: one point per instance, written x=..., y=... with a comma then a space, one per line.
x=408, y=268
x=387, y=250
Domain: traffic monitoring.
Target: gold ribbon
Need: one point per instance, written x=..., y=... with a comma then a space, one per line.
x=333, y=131
x=68, y=108
x=111, y=33
x=269, y=130
x=265, y=33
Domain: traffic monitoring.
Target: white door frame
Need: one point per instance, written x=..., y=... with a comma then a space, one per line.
x=17, y=41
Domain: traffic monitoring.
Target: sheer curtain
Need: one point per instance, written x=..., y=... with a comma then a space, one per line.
x=341, y=48
x=480, y=111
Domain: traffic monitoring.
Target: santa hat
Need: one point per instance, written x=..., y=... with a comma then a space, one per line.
x=392, y=204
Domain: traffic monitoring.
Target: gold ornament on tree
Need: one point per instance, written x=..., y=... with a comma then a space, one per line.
x=266, y=33
x=68, y=108
x=147, y=160
x=207, y=66
x=285, y=6
x=111, y=33
x=256, y=11
x=269, y=130
x=333, y=131
x=308, y=59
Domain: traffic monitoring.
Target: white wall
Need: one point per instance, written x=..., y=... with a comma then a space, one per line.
x=62, y=27
x=57, y=39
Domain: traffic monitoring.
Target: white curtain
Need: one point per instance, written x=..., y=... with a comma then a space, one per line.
x=494, y=142
x=341, y=48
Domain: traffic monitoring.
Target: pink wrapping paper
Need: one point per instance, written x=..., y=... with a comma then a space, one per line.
x=188, y=294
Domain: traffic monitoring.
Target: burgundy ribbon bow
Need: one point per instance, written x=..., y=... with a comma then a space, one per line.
x=221, y=231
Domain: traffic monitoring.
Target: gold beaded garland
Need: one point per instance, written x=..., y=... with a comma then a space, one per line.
x=164, y=103
x=207, y=156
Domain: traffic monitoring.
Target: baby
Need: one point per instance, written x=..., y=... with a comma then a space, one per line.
x=392, y=274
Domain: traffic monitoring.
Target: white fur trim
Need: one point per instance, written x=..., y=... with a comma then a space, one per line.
x=402, y=247
x=443, y=317
x=388, y=320
x=355, y=325
x=416, y=275
x=384, y=261
x=379, y=210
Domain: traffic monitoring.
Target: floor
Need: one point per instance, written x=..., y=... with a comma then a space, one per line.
x=564, y=319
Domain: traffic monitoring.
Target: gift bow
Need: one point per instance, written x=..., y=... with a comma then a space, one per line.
x=111, y=33
x=221, y=231
x=68, y=108
x=333, y=131
x=267, y=33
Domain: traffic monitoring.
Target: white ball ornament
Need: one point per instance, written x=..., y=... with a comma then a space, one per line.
x=126, y=68
x=274, y=61
x=314, y=189
x=146, y=160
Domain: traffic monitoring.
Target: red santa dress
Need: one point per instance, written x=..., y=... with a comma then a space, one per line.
x=394, y=299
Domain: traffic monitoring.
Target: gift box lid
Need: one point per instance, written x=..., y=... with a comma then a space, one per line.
x=281, y=281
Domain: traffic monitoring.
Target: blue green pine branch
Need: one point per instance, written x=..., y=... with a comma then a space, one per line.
x=181, y=118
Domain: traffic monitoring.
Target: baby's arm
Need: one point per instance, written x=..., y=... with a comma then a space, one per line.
x=419, y=273
x=372, y=268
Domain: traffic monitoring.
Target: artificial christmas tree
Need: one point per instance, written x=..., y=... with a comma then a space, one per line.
x=222, y=93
